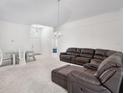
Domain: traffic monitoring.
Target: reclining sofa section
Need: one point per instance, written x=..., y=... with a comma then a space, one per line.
x=81, y=56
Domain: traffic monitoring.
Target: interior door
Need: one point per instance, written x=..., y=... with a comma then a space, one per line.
x=36, y=45
x=36, y=39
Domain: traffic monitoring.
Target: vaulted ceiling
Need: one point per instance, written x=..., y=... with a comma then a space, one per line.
x=44, y=12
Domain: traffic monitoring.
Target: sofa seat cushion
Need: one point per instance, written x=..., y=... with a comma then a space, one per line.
x=86, y=55
x=73, y=53
x=65, y=70
x=67, y=56
x=59, y=75
x=96, y=61
x=82, y=59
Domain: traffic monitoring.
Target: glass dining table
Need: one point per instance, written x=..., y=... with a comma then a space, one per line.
x=13, y=58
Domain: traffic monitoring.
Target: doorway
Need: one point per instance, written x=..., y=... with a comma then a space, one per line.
x=41, y=38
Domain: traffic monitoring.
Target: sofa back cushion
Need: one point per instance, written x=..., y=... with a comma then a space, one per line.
x=73, y=51
x=102, y=53
x=87, y=52
x=115, y=60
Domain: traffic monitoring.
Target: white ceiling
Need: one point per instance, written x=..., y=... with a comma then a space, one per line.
x=44, y=12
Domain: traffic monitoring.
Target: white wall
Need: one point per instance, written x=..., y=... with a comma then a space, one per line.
x=14, y=36
x=18, y=36
x=102, y=31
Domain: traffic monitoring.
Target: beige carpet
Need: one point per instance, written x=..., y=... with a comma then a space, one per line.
x=34, y=77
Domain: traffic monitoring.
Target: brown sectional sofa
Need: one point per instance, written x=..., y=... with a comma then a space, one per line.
x=81, y=56
x=97, y=71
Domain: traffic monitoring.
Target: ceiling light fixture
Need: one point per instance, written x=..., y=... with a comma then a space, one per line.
x=58, y=17
x=57, y=33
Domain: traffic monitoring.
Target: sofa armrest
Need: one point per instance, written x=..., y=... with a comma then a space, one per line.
x=81, y=82
x=91, y=66
x=84, y=77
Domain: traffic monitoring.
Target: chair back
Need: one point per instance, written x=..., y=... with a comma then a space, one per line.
x=21, y=56
x=1, y=57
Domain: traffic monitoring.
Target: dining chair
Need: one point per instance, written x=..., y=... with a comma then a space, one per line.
x=22, y=56
x=1, y=57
